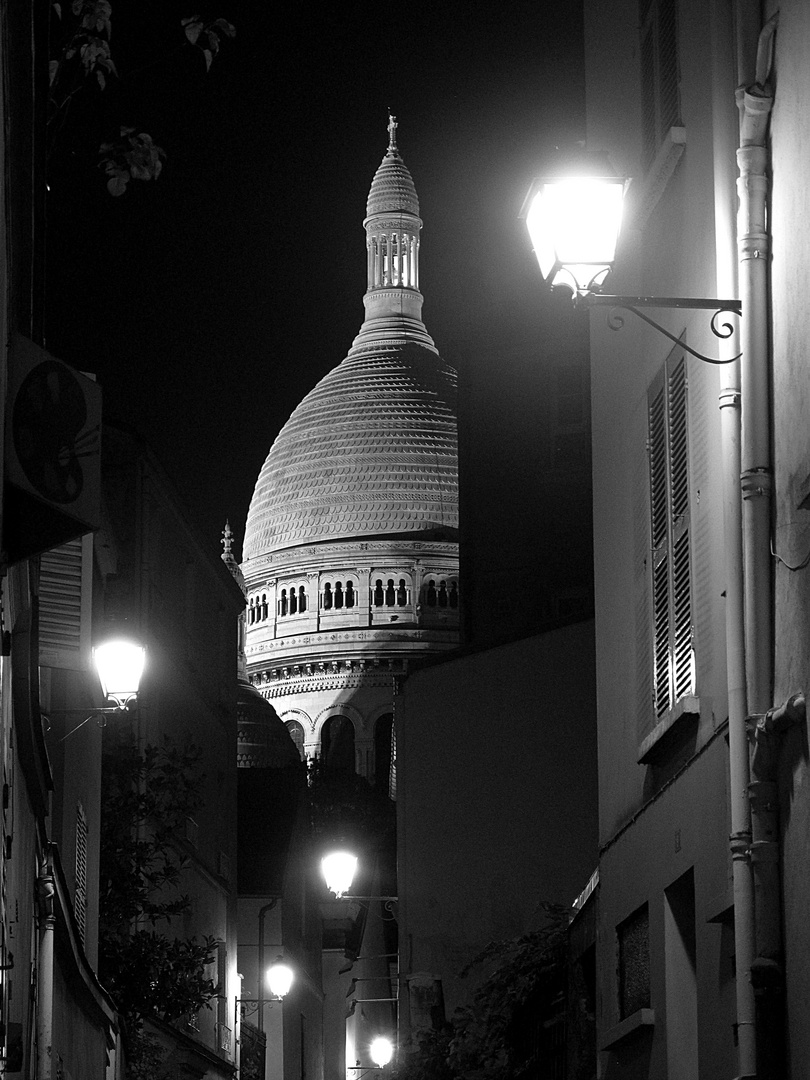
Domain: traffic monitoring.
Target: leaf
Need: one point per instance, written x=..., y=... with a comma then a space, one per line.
x=117, y=185
x=208, y=58
x=193, y=29
x=53, y=71
x=58, y=10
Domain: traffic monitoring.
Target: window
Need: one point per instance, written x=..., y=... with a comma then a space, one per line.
x=441, y=593
x=296, y=731
x=391, y=592
x=337, y=745
x=633, y=937
x=673, y=645
x=660, y=75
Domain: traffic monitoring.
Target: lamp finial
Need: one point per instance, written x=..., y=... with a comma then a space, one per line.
x=392, y=134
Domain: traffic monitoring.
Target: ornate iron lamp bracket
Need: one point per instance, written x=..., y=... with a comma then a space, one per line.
x=720, y=328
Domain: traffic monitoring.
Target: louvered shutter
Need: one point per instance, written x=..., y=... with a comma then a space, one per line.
x=80, y=893
x=672, y=646
x=65, y=596
x=660, y=73
x=681, y=583
x=659, y=525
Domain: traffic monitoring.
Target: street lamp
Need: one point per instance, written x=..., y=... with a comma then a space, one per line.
x=119, y=664
x=574, y=223
x=382, y=1050
x=338, y=869
x=280, y=977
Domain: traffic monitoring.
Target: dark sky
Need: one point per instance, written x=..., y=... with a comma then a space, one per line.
x=211, y=301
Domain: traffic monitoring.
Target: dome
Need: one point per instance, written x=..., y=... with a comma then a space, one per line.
x=263, y=740
x=371, y=450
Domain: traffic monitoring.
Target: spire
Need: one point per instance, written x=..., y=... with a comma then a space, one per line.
x=393, y=301
x=228, y=557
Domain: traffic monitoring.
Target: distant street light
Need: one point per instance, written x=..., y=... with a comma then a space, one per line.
x=338, y=868
x=280, y=977
x=382, y=1050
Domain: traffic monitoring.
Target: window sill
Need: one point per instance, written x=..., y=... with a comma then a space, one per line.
x=687, y=706
x=637, y=1021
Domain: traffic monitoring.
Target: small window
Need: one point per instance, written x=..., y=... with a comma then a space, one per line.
x=327, y=597
x=349, y=594
x=402, y=593
x=453, y=594
x=338, y=594
x=282, y=604
x=430, y=593
x=293, y=602
x=264, y=606
x=379, y=597
x=390, y=595
x=302, y=598
x=296, y=731
x=443, y=594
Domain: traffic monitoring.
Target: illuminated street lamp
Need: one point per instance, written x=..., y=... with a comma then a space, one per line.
x=120, y=664
x=280, y=977
x=338, y=869
x=382, y=1050
x=573, y=223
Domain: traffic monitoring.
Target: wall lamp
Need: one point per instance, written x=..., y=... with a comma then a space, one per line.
x=119, y=665
x=574, y=223
x=338, y=869
x=279, y=978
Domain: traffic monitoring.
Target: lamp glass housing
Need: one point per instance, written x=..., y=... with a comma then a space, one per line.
x=279, y=978
x=574, y=224
x=338, y=868
x=382, y=1051
x=120, y=665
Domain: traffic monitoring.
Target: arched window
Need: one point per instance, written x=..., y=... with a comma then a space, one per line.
x=430, y=593
x=282, y=604
x=302, y=598
x=338, y=594
x=453, y=594
x=296, y=731
x=402, y=593
x=379, y=598
x=327, y=597
x=442, y=594
x=337, y=745
x=349, y=594
x=251, y=613
x=293, y=602
x=390, y=595
x=264, y=605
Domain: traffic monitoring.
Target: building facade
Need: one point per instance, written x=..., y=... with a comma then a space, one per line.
x=701, y=953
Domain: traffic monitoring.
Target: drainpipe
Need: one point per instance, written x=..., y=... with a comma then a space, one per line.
x=755, y=102
x=47, y=926
x=725, y=145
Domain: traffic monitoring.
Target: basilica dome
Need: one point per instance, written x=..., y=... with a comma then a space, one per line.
x=371, y=451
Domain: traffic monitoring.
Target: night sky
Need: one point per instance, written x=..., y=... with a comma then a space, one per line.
x=209, y=302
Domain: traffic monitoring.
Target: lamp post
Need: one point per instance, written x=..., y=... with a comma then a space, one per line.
x=574, y=224
x=119, y=664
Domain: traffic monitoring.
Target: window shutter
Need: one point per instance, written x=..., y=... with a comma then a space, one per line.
x=660, y=547
x=65, y=595
x=673, y=660
x=80, y=893
x=660, y=91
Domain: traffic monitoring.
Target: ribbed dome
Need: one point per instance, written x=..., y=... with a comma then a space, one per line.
x=392, y=188
x=370, y=451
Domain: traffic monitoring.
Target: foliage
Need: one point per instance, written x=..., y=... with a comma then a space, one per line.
x=82, y=69
x=344, y=806
x=483, y=1040
x=146, y=797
